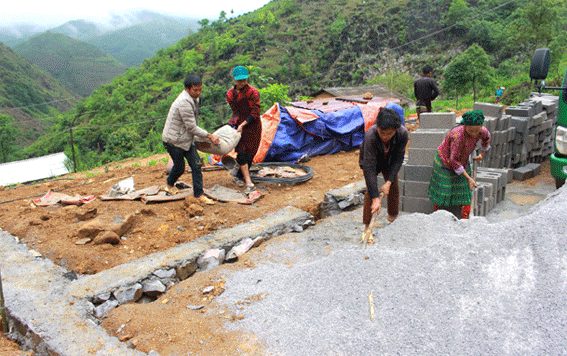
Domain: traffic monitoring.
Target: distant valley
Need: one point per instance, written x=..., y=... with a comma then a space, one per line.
x=82, y=54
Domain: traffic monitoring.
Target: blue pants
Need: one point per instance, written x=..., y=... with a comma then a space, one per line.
x=177, y=156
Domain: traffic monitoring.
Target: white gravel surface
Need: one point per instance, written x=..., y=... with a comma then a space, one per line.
x=440, y=286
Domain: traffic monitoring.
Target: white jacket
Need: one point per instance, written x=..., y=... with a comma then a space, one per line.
x=181, y=123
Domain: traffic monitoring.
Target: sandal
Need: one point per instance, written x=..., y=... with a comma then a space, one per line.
x=239, y=182
x=249, y=189
x=370, y=240
x=170, y=190
x=206, y=200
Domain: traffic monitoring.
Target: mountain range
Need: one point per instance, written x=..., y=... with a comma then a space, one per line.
x=83, y=55
x=30, y=95
x=85, y=30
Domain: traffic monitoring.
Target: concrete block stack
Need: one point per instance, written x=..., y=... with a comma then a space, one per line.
x=534, y=120
x=491, y=188
x=502, y=135
x=423, y=148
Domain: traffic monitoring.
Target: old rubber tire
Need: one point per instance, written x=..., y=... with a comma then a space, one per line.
x=539, y=65
x=309, y=173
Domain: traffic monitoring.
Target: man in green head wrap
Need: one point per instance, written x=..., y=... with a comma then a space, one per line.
x=451, y=183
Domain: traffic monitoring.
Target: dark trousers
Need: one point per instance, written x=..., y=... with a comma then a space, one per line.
x=393, y=202
x=178, y=156
x=422, y=106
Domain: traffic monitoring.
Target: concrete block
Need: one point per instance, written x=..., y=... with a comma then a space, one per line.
x=497, y=138
x=493, y=110
x=508, y=161
x=427, y=138
x=505, y=122
x=546, y=125
x=506, y=173
x=522, y=111
x=437, y=120
x=530, y=139
x=535, y=104
x=517, y=149
x=511, y=133
x=539, y=118
x=519, y=138
x=422, y=156
x=495, y=179
x=401, y=172
x=490, y=123
x=416, y=189
x=535, y=167
x=417, y=173
x=479, y=190
x=500, y=194
x=498, y=149
x=417, y=205
x=523, y=173
x=520, y=123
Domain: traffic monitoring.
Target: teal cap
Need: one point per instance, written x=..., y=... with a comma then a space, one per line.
x=240, y=73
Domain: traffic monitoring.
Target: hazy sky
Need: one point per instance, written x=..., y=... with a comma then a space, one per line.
x=58, y=12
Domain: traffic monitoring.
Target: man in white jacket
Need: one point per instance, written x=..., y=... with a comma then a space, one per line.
x=178, y=133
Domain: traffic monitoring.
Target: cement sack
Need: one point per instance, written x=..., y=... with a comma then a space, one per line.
x=228, y=137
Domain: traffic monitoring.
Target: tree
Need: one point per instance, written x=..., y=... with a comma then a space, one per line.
x=535, y=26
x=274, y=93
x=470, y=70
x=458, y=12
x=455, y=79
x=9, y=134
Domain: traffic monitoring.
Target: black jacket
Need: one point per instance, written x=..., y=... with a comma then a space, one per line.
x=373, y=162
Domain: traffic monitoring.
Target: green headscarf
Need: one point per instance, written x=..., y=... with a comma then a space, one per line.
x=473, y=118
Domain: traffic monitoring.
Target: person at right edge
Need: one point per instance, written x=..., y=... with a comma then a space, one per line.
x=244, y=100
x=425, y=90
x=382, y=151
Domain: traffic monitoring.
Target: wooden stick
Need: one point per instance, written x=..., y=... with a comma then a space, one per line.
x=367, y=232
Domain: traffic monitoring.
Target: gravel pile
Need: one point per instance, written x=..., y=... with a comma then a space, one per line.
x=440, y=287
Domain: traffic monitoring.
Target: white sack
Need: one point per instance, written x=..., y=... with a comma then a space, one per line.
x=228, y=137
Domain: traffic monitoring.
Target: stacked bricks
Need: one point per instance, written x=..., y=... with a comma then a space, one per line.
x=534, y=120
x=423, y=148
x=491, y=188
x=502, y=135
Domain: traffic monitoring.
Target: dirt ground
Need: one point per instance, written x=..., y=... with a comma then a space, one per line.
x=55, y=231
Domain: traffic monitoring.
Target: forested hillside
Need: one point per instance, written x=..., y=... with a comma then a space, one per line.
x=135, y=43
x=22, y=87
x=297, y=47
x=79, y=66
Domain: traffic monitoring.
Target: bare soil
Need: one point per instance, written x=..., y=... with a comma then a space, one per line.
x=55, y=231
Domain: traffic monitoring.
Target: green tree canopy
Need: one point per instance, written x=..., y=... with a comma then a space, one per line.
x=470, y=70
